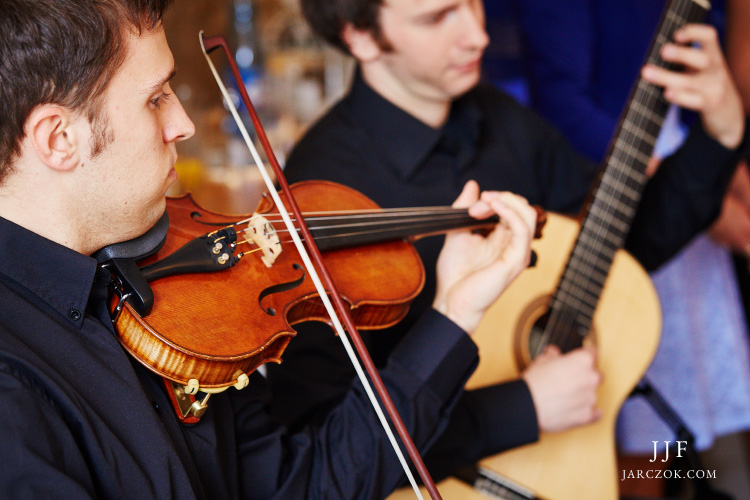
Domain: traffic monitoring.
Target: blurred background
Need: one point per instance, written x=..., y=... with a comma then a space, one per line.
x=291, y=77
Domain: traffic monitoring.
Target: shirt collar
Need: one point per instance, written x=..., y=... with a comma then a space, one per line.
x=404, y=139
x=59, y=276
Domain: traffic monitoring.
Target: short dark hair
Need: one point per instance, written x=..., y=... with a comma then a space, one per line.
x=62, y=52
x=327, y=18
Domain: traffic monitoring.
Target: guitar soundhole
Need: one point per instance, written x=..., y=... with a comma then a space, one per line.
x=530, y=331
x=537, y=341
x=530, y=338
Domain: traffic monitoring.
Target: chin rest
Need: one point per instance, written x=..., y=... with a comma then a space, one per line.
x=121, y=260
x=138, y=248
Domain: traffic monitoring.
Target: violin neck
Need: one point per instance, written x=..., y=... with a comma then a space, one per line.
x=356, y=229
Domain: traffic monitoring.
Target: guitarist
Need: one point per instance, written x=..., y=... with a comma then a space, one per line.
x=416, y=126
x=703, y=322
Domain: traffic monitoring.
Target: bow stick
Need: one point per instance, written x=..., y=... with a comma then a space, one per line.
x=214, y=42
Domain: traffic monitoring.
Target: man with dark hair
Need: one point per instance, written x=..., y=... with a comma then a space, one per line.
x=416, y=125
x=88, y=148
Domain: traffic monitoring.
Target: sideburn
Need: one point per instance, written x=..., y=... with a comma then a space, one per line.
x=101, y=133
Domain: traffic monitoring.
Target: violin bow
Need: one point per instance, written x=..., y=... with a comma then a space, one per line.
x=208, y=45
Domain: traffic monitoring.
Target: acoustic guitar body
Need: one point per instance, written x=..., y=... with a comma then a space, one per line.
x=578, y=464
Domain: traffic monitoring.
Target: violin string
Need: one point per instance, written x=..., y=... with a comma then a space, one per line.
x=396, y=224
x=419, y=228
x=364, y=213
x=438, y=226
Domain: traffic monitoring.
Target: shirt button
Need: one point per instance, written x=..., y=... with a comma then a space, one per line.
x=156, y=407
x=75, y=314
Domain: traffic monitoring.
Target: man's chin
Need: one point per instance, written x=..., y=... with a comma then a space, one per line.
x=465, y=85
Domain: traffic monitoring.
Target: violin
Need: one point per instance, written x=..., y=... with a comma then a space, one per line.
x=227, y=289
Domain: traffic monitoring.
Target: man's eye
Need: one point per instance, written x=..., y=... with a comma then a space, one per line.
x=435, y=18
x=157, y=101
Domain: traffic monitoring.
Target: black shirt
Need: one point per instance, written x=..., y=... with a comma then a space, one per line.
x=369, y=144
x=81, y=419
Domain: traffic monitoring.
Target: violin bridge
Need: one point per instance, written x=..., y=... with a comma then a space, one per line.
x=261, y=232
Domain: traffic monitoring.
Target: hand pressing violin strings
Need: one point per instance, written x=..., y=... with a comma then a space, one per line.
x=474, y=269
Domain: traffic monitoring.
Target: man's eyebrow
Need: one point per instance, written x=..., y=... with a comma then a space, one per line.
x=158, y=85
x=434, y=12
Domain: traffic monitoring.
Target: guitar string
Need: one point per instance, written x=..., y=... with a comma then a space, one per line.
x=648, y=89
x=567, y=316
x=562, y=319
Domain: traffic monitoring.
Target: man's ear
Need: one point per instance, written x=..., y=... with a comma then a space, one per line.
x=53, y=138
x=361, y=43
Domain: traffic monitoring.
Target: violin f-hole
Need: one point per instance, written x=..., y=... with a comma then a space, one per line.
x=281, y=287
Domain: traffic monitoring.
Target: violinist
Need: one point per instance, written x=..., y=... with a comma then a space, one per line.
x=416, y=124
x=87, y=148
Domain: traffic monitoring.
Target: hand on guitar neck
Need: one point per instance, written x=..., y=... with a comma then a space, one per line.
x=563, y=387
x=705, y=85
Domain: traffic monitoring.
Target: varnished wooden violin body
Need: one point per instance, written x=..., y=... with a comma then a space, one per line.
x=214, y=327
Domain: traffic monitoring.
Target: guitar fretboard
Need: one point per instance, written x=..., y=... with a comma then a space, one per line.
x=493, y=485
x=616, y=194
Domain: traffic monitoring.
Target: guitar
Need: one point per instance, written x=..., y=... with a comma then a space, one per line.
x=583, y=289
x=578, y=463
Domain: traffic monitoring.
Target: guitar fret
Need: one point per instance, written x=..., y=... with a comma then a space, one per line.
x=643, y=115
x=619, y=184
x=639, y=132
x=584, y=273
x=578, y=303
x=628, y=158
x=651, y=93
x=565, y=325
x=621, y=210
x=584, y=318
x=595, y=242
x=675, y=18
x=606, y=197
x=661, y=39
x=618, y=180
x=646, y=113
x=628, y=170
x=500, y=487
x=589, y=273
x=565, y=298
x=592, y=247
x=582, y=270
x=602, y=233
x=616, y=223
x=585, y=276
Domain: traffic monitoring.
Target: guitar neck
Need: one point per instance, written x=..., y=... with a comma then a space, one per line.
x=617, y=192
x=493, y=485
